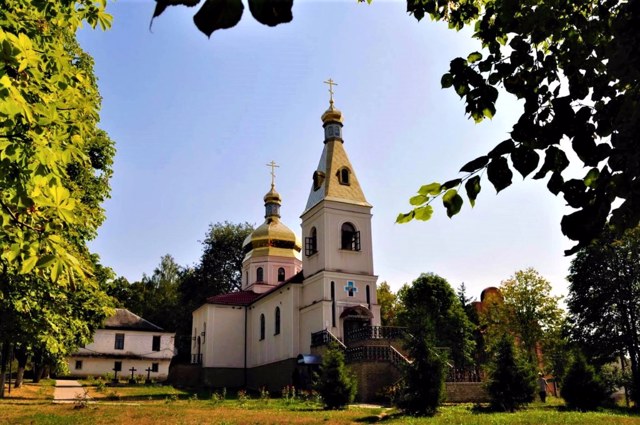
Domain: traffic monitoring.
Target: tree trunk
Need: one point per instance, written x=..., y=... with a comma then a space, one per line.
x=4, y=355
x=22, y=357
x=38, y=368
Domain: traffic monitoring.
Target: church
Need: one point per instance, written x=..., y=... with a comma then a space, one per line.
x=298, y=294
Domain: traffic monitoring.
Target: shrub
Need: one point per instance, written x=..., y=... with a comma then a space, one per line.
x=582, y=388
x=242, y=397
x=336, y=384
x=265, y=396
x=512, y=381
x=423, y=389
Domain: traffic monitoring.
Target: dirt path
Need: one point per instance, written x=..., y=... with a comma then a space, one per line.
x=67, y=391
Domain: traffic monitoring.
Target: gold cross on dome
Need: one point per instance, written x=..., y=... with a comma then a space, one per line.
x=331, y=84
x=273, y=166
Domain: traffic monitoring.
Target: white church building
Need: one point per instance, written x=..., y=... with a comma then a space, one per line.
x=297, y=295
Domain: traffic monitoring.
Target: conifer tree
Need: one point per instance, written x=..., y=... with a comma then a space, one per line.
x=336, y=383
x=582, y=388
x=512, y=381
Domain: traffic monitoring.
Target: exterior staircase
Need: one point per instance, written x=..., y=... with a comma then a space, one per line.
x=374, y=353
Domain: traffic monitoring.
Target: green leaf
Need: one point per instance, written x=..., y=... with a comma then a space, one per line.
x=405, y=218
x=503, y=148
x=591, y=178
x=472, y=187
x=45, y=261
x=271, y=12
x=525, y=160
x=450, y=184
x=452, y=202
x=430, y=189
x=446, y=81
x=555, y=183
x=28, y=264
x=423, y=213
x=218, y=14
x=474, y=57
x=475, y=164
x=418, y=200
x=499, y=173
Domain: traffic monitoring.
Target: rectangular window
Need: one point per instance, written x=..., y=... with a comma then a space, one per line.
x=310, y=246
x=78, y=364
x=155, y=346
x=154, y=367
x=119, y=345
x=117, y=366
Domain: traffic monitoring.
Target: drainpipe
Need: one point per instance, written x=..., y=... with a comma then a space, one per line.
x=245, y=346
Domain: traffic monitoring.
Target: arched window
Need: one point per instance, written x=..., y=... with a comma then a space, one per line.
x=277, y=324
x=281, y=274
x=350, y=239
x=311, y=242
x=262, y=327
x=318, y=179
x=333, y=304
x=259, y=275
x=344, y=176
x=368, y=292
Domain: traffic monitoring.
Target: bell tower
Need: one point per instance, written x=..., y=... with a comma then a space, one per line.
x=336, y=231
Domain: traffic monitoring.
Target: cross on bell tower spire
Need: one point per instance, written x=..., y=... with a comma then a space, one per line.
x=331, y=83
x=273, y=166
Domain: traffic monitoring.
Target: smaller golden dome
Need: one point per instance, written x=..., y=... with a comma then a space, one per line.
x=272, y=196
x=332, y=114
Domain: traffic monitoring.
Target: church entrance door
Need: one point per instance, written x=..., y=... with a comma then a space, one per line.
x=355, y=321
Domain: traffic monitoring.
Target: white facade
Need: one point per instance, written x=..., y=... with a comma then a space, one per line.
x=126, y=341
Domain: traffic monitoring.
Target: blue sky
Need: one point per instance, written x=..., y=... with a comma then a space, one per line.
x=195, y=120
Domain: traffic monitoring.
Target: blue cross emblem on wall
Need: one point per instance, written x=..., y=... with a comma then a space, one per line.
x=351, y=288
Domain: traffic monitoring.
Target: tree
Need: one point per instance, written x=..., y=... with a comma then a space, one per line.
x=423, y=389
x=157, y=297
x=220, y=268
x=336, y=384
x=389, y=305
x=527, y=311
x=49, y=105
x=436, y=324
x=582, y=389
x=512, y=380
x=432, y=311
x=604, y=300
x=575, y=65
x=55, y=165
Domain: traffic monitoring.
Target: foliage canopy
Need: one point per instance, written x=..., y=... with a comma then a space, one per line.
x=51, y=151
x=604, y=299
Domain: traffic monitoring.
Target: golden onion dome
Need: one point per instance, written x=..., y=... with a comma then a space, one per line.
x=332, y=115
x=272, y=237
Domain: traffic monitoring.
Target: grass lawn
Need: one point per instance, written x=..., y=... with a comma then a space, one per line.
x=31, y=405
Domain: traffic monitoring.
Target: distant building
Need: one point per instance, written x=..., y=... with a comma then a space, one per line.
x=125, y=340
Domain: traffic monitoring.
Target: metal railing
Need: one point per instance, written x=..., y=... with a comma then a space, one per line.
x=196, y=358
x=375, y=332
x=325, y=337
x=376, y=353
x=465, y=375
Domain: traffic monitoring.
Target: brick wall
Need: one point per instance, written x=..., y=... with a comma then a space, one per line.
x=466, y=392
x=373, y=377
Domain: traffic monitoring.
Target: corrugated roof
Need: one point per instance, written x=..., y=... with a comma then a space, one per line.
x=234, y=298
x=244, y=298
x=124, y=319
